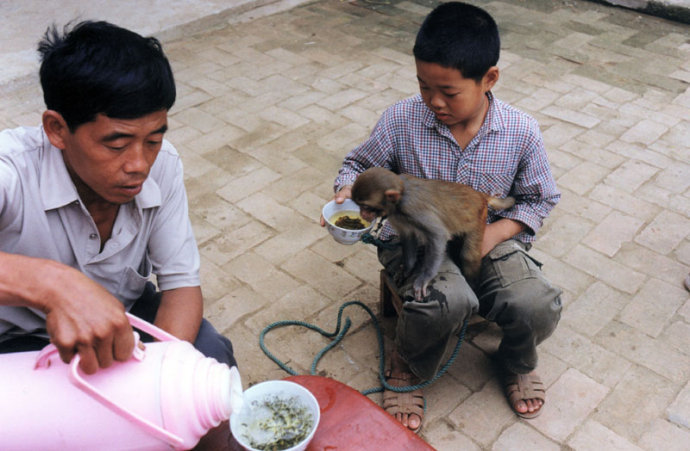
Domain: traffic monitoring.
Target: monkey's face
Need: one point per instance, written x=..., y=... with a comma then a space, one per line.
x=369, y=213
x=372, y=192
x=371, y=205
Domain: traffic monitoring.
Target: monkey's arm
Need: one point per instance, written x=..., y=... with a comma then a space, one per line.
x=435, y=237
x=409, y=251
x=499, y=231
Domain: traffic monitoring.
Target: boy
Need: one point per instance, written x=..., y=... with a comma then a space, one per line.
x=456, y=130
x=93, y=202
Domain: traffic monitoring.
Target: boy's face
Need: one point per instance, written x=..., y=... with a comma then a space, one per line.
x=110, y=158
x=456, y=100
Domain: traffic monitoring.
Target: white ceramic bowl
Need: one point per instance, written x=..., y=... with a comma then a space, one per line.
x=343, y=236
x=247, y=422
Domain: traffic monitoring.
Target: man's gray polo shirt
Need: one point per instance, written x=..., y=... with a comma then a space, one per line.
x=42, y=216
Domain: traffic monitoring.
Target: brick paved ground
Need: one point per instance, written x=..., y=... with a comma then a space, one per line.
x=268, y=108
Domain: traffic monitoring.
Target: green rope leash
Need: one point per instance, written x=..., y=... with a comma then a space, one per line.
x=338, y=336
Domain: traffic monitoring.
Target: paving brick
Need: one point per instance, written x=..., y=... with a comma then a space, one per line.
x=571, y=116
x=583, y=177
x=329, y=279
x=594, y=435
x=672, y=437
x=631, y=175
x=608, y=236
x=483, y=415
x=570, y=400
x=586, y=207
x=610, y=272
x=624, y=201
x=665, y=233
x=641, y=392
x=472, y=366
x=677, y=335
x=679, y=411
x=634, y=345
x=592, y=152
x=224, y=248
x=246, y=185
x=650, y=311
x=565, y=232
x=234, y=305
x=445, y=437
x=581, y=353
x=445, y=394
x=284, y=245
x=522, y=437
x=593, y=310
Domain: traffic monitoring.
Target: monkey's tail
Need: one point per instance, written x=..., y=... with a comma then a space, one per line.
x=501, y=204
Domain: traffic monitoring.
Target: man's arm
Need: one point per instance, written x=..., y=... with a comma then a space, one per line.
x=81, y=316
x=180, y=312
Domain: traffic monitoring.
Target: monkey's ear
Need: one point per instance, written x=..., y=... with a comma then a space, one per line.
x=392, y=195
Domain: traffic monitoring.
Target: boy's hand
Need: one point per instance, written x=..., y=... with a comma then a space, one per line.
x=343, y=193
x=499, y=231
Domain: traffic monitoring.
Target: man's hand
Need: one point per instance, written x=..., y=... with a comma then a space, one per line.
x=81, y=316
x=88, y=320
x=343, y=193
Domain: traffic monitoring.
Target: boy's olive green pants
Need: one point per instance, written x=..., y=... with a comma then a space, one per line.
x=511, y=291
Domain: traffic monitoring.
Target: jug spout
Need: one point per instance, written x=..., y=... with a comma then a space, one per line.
x=235, y=397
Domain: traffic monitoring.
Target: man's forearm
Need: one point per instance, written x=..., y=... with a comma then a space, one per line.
x=18, y=284
x=180, y=312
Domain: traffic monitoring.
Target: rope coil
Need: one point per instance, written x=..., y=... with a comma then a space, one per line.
x=337, y=336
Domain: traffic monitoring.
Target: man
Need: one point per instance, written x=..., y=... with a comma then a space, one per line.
x=92, y=203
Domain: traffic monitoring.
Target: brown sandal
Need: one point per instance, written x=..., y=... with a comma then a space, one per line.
x=410, y=403
x=521, y=387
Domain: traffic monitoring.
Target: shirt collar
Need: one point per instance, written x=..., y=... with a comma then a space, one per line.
x=58, y=190
x=494, y=118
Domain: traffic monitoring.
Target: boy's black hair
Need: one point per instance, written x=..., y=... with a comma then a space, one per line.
x=459, y=36
x=100, y=68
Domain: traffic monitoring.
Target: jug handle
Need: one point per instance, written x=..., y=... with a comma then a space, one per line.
x=153, y=429
x=150, y=329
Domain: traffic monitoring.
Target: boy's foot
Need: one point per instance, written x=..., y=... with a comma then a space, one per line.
x=408, y=407
x=525, y=392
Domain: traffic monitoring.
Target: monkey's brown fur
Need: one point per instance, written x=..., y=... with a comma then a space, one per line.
x=428, y=213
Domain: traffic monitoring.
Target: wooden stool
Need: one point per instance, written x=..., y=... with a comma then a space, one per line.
x=390, y=303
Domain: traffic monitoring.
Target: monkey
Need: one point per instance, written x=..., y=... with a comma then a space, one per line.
x=428, y=213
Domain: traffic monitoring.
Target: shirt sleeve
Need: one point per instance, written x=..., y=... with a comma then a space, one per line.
x=534, y=188
x=377, y=150
x=172, y=247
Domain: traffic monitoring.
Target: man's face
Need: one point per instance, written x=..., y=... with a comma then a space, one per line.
x=113, y=157
x=454, y=99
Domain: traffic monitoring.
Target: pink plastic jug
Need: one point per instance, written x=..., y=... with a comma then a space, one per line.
x=164, y=397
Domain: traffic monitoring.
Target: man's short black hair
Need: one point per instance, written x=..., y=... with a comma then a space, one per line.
x=100, y=68
x=459, y=36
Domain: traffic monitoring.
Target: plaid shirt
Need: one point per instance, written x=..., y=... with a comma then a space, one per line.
x=506, y=157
